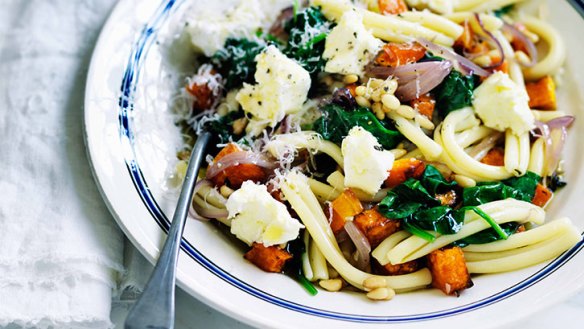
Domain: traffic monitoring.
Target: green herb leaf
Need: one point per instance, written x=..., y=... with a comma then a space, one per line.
x=520, y=188
x=441, y=219
x=454, y=93
x=236, y=61
x=335, y=123
x=307, y=33
x=434, y=182
x=488, y=235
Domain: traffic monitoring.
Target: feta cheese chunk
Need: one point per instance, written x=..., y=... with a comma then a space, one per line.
x=209, y=28
x=349, y=46
x=282, y=87
x=257, y=217
x=366, y=164
x=501, y=104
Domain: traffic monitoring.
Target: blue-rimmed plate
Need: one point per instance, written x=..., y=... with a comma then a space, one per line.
x=131, y=100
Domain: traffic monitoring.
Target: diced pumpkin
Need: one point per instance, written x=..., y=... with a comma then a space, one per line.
x=449, y=271
x=234, y=176
x=542, y=94
x=375, y=226
x=351, y=87
x=403, y=169
x=345, y=205
x=469, y=43
x=425, y=105
x=542, y=195
x=203, y=96
x=495, y=157
x=392, y=7
x=269, y=259
x=400, y=269
x=395, y=54
x=503, y=67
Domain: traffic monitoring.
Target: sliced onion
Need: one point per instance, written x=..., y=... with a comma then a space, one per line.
x=422, y=84
x=361, y=243
x=402, y=72
x=493, y=41
x=524, y=40
x=192, y=212
x=460, y=63
x=554, y=133
x=237, y=158
x=211, y=212
x=481, y=149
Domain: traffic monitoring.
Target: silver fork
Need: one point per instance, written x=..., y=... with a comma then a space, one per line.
x=155, y=307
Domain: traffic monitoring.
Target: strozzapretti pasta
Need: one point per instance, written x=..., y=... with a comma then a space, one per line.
x=382, y=145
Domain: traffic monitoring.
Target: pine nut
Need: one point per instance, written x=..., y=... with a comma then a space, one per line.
x=381, y=294
x=331, y=284
x=374, y=282
x=374, y=83
x=362, y=101
x=239, y=125
x=350, y=78
x=424, y=122
x=390, y=101
x=376, y=95
x=377, y=109
x=398, y=153
x=522, y=57
x=484, y=60
x=390, y=86
x=406, y=111
x=361, y=90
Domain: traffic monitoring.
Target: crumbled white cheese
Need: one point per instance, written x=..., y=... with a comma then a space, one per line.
x=210, y=29
x=349, y=46
x=282, y=87
x=366, y=164
x=501, y=104
x=257, y=217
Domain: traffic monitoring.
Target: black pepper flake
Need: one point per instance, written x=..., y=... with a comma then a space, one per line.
x=268, y=71
x=289, y=76
x=355, y=35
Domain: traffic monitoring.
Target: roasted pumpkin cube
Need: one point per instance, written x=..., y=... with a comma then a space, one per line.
x=449, y=271
x=542, y=93
x=542, y=195
x=375, y=226
x=269, y=259
x=404, y=268
x=345, y=205
x=392, y=7
x=495, y=157
x=203, y=96
x=425, y=105
x=235, y=175
x=396, y=54
x=469, y=42
x=403, y=169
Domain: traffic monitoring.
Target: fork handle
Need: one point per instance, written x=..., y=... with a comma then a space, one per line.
x=155, y=307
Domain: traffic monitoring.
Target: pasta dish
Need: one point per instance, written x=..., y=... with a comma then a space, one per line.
x=381, y=146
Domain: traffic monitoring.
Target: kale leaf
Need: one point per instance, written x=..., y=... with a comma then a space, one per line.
x=307, y=33
x=455, y=92
x=236, y=61
x=221, y=127
x=335, y=123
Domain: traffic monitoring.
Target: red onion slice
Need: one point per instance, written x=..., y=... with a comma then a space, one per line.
x=192, y=212
x=493, y=41
x=554, y=133
x=524, y=41
x=361, y=243
x=427, y=81
x=460, y=63
x=237, y=158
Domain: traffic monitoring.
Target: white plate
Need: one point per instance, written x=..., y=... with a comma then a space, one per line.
x=132, y=142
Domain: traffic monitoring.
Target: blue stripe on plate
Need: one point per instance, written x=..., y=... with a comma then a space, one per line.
x=578, y=5
x=126, y=107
